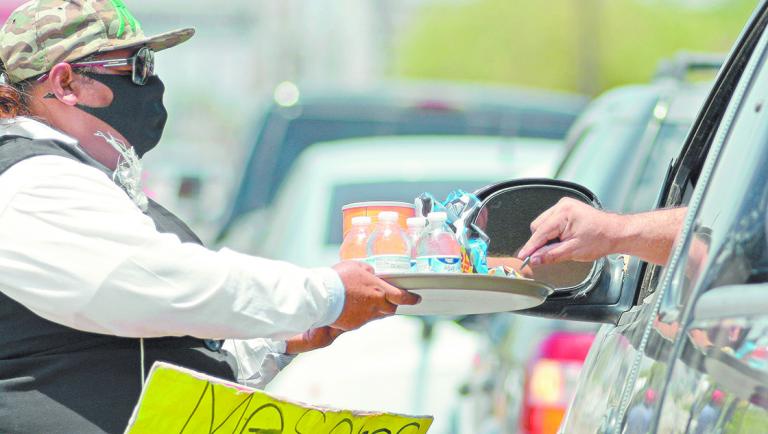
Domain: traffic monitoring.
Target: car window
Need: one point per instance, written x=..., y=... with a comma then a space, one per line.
x=598, y=157
x=721, y=375
x=645, y=192
x=388, y=191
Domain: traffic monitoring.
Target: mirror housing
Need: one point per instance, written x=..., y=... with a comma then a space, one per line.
x=593, y=292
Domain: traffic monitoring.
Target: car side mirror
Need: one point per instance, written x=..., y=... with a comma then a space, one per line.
x=585, y=291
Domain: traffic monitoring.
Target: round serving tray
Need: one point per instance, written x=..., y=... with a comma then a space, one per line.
x=464, y=294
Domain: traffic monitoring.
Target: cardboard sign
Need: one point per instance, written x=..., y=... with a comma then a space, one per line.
x=179, y=400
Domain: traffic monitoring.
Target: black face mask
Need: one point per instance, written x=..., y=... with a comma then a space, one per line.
x=136, y=112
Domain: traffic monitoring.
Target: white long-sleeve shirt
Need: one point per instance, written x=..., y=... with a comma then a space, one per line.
x=76, y=250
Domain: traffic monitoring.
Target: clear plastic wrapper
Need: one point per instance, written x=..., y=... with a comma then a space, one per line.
x=505, y=271
x=459, y=206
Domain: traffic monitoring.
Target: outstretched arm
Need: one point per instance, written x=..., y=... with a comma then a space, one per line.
x=586, y=234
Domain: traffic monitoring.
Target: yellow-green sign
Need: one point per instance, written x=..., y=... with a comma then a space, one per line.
x=178, y=400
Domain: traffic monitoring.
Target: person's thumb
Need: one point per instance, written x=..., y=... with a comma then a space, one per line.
x=399, y=296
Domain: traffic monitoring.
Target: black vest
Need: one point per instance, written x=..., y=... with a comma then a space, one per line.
x=54, y=379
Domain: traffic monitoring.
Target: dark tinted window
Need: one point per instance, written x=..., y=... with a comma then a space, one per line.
x=390, y=191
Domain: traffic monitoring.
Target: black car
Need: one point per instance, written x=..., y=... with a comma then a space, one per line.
x=684, y=348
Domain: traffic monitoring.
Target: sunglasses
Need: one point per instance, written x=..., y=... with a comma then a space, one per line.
x=142, y=65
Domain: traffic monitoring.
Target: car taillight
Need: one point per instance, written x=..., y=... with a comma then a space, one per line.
x=546, y=384
x=550, y=386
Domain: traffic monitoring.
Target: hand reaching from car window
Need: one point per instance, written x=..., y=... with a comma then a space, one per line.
x=367, y=297
x=584, y=233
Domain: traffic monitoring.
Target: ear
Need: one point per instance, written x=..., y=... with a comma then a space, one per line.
x=60, y=80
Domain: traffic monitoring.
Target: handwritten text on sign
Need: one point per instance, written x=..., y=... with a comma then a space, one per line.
x=178, y=400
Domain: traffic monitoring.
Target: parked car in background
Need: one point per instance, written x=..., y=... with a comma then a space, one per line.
x=419, y=363
x=305, y=221
x=620, y=148
x=300, y=117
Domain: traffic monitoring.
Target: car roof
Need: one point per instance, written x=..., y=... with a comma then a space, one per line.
x=455, y=157
x=634, y=103
x=397, y=95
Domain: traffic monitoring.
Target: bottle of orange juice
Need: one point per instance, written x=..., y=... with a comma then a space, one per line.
x=389, y=248
x=355, y=245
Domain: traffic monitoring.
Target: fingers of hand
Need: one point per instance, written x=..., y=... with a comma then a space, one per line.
x=544, y=216
x=388, y=309
x=335, y=333
x=397, y=295
x=347, y=268
x=555, y=253
x=366, y=267
x=548, y=230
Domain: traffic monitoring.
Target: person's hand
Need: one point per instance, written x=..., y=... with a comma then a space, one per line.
x=312, y=340
x=584, y=233
x=367, y=297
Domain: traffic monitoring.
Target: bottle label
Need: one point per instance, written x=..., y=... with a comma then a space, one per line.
x=391, y=264
x=438, y=264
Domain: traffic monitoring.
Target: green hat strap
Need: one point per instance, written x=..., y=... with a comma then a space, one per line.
x=125, y=16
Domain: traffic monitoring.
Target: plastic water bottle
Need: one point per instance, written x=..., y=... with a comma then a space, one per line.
x=389, y=250
x=437, y=250
x=416, y=227
x=355, y=245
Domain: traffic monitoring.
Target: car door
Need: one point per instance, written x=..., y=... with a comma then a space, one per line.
x=715, y=312
x=721, y=182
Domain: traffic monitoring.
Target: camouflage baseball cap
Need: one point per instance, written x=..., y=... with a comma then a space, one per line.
x=41, y=33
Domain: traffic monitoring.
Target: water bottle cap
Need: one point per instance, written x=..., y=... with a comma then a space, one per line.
x=416, y=222
x=389, y=216
x=361, y=220
x=438, y=216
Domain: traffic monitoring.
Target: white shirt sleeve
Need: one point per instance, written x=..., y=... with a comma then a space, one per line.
x=258, y=360
x=76, y=250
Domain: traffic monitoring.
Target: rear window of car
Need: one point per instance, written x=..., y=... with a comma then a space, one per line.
x=288, y=131
x=387, y=191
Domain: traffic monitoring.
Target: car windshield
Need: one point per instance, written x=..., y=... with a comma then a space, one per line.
x=388, y=191
x=604, y=146
x=646, y=190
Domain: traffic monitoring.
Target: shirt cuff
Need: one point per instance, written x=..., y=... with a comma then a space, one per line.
x=278, y=356
x=336, y=296
x=277, y=350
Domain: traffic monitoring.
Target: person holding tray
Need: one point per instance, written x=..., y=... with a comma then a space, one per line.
x=98, y=281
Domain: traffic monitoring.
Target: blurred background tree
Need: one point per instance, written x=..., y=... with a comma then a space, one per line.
x=573, y=45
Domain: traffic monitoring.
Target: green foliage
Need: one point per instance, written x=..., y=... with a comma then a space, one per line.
x=586, y=45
